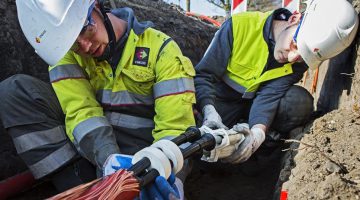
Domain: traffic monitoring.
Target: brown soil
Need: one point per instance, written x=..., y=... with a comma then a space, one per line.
x=329, y=168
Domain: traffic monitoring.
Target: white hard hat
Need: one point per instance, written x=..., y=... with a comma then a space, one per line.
x=52, y=26
x=327, y=28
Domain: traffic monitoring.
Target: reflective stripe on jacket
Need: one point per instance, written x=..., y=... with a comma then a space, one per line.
x=144, y=78
x=245, y=70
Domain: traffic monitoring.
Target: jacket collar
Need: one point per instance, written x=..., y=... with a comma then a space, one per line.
x=127, y=14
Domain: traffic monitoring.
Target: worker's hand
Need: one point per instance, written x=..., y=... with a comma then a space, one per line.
x=211, y=118
x=254, y=137
x=162, y=189
x=115, y=162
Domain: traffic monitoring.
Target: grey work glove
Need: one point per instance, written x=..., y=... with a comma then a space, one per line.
x=211, y=118
x=253, y=139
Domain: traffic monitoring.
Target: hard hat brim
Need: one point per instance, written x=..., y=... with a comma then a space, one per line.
x=52, y=32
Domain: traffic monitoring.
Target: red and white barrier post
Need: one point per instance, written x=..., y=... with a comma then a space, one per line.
x=238, y=6
x=292, y=5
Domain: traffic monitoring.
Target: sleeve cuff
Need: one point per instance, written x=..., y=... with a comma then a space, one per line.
x=104, y=152
x=205, y=102
x=259, y=120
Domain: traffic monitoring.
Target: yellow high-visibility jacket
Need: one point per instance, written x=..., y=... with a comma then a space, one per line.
x=250, y=53
x=152, y=84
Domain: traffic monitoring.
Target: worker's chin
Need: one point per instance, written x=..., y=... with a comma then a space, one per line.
x=105, y=53
x=98, y=52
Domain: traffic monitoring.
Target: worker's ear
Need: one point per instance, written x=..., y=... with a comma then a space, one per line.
x=294, y=18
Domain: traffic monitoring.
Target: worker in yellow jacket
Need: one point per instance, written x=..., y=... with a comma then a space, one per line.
x=246, y=78
x=121, y=86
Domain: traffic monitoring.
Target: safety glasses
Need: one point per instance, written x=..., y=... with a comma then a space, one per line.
x=88, y=30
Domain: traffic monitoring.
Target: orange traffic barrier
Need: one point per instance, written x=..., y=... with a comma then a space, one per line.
x=203, y=17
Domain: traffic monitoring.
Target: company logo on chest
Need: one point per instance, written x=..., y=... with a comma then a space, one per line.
x=141, y=57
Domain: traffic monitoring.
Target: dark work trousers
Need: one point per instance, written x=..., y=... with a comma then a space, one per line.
x=30, y=105
x=294, y=110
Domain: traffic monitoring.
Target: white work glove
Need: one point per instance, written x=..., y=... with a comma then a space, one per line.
x=115, y=162
x=253, y=139
x=211, y=118
x=227, y=142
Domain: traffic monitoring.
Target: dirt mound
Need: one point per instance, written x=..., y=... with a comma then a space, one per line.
x=327, y=165
x=16, y=54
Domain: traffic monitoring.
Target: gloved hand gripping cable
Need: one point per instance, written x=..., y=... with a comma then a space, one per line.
x=227, y=141
x=163, y=158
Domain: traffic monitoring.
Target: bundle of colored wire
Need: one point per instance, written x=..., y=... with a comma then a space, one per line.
x=120, y=185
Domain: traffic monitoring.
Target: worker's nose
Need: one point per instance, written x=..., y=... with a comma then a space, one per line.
x=83, y=43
